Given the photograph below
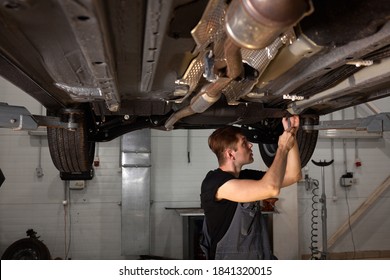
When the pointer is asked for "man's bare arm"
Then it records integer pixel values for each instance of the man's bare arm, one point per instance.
(293, 168)
(239, 190)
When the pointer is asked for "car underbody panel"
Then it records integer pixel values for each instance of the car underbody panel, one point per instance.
(172, 64)
(145, 58)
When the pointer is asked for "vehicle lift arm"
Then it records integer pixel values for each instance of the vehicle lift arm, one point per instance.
(375, 124)
(19, 118)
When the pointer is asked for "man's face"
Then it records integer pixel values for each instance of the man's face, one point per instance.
(244, 152)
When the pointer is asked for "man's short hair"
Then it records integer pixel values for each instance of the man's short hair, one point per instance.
(223, 138)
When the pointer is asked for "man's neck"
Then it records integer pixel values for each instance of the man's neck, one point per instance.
(231, 168)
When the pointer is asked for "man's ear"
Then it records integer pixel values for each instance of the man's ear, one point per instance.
(230, 154)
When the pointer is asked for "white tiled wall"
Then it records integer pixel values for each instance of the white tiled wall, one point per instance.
(27, 201)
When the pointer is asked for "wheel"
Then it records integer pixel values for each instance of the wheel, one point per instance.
(307, 141)
(27, 249)
(71, 151)
(268, 152)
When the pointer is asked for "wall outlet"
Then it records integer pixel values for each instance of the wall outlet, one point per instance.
(346, 182)
(347, 179)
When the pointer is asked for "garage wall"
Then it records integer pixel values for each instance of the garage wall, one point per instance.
(93, 214)
(372, 231)
(26, 201)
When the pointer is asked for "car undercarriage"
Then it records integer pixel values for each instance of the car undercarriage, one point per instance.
(105, 68)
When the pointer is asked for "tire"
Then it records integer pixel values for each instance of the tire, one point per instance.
(307, 141)
(70, 150)
(27, 249)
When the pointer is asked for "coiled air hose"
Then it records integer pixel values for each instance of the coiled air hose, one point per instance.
(314, 220)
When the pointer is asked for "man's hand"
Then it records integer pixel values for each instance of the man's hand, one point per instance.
(287, 139)
(290, 122)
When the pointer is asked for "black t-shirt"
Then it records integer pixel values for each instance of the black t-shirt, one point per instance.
(220, 213)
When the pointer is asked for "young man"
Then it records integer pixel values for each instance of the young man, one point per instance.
(233, 225)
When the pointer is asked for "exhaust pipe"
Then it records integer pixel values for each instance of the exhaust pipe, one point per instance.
(199, 103)
(250, 24)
